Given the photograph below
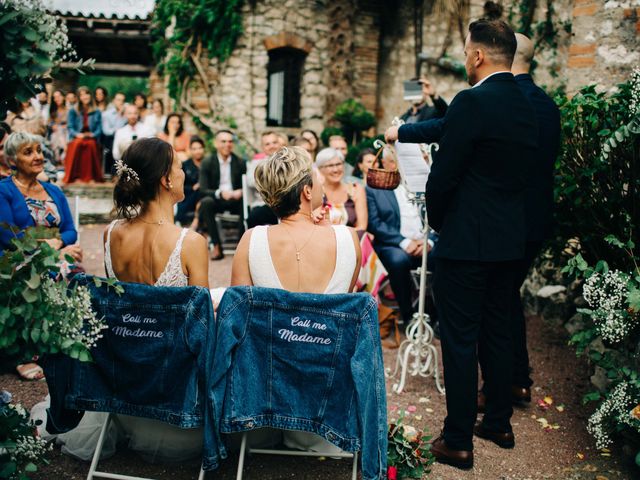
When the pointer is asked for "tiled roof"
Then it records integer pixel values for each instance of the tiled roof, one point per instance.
(104, 9)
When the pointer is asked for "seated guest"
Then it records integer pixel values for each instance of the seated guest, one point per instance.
(220, 188)
(176, 136)
(259, 213)
(156, 120)
(83, 161)
(270, 143)
(347, 201)
(304, 143)
(112, 119)
(5, 169)
(339, 143)
(142, 247)
(313, 139)
(296, 255)
(366, 159)
(140, 101)
(398, 237)
(26, 118)
(132, 131)
(58, 136)
(191, 167)
(27, 202)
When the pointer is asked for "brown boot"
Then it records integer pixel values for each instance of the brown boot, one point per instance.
(502, 439)
(216, 253)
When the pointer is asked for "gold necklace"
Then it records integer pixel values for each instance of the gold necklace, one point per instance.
(28, 187)
(298, 250)
(161, 222)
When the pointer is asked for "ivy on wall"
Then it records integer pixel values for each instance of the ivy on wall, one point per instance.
(189, 37)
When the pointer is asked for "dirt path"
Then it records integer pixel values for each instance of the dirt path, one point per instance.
(553, 453)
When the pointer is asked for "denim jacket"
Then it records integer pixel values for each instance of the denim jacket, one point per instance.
(150, 362)
(298, 361)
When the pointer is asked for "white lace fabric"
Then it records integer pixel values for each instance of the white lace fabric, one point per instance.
(171, 276)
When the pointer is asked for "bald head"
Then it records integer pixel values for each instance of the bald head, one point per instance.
(524, 55)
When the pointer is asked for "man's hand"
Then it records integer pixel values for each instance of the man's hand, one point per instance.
(196, 186)
(428, 88)
(414, 248)
(236, 194)
(73, 250)
(226, 195)
(391, 135)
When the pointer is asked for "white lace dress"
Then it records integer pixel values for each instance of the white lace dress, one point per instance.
(155, 441)
(263, 274)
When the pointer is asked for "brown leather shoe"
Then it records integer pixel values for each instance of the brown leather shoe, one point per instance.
(520, 395)
(462, 459)
(503, 440)
(216, 253)
(482, 402)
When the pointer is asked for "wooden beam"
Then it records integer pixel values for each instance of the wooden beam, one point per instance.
(129, 68)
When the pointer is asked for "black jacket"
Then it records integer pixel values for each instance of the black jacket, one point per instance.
(210, 174)
(539, 193)
(475, 191)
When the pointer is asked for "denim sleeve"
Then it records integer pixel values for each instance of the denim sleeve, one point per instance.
(225, 333)
(371, 396)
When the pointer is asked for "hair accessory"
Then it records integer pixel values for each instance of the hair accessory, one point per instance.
(124, 170)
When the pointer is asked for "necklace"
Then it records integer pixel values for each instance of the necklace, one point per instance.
(161, 222)
(28, 187)
(298, 250)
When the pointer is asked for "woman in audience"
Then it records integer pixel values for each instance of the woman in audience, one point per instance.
(27, 202)
(156, 120)
(297, 255)
(313, 139)
(59, 135)
(146, 247)
(347, 201)
(26, 118)
(366, 159)
(102, 99)
(140, 101)
(187, 208)
(83, 161)
(176, 136)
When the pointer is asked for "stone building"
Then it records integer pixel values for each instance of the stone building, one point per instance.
(298, 59)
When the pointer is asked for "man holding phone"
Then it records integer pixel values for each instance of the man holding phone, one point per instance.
(132, 131)
(422, 110)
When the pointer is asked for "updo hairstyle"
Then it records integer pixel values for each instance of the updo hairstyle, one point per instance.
(151, 159)
(281, 178)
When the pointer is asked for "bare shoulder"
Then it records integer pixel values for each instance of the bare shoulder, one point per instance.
(195, 241)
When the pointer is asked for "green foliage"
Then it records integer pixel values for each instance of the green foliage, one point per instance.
(183, 28)
(329, 132)
(127, 85)
(20, 449)
(409, 450)
(597, 196)
(38, 314)
(354, 118)
(353, 152)
(33, 43)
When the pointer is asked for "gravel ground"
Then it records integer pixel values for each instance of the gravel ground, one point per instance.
(567, 452)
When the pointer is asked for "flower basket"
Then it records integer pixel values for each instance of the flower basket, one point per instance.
(409, 453)
(380, 178)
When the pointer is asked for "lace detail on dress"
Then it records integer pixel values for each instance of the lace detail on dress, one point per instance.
(171, 276)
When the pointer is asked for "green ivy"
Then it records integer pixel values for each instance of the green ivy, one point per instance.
(182, 28)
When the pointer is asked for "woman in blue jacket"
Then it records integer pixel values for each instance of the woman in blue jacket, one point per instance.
(27, 202)
(84, 161)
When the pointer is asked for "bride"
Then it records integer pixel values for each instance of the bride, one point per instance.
(146, 247)
(297, 255)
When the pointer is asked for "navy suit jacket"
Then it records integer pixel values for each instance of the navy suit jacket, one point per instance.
(475, 192)
(539, 191)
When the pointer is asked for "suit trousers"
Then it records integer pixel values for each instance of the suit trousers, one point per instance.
(470, 297)
(209, 207)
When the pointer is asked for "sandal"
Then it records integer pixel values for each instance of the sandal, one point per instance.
(30, 371)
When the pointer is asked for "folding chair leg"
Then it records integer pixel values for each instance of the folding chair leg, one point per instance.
(354, 473)
(243, 447)
(98, 451)
(201, 476)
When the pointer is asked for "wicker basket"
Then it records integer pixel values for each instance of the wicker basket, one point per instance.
(383, 179)
(380, 178)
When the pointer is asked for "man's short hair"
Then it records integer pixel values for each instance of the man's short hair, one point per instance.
(268, 132)
(497, 37)
(223, 131)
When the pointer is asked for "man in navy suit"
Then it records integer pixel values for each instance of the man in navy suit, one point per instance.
(475, 200)
(538, 203)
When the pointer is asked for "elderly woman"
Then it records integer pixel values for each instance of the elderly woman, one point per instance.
(347, 201)
(27, 202)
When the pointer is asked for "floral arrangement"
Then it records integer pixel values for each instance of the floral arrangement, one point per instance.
(40, 312)
(33, 42)
(409, 453)
(21, 449)
(610, 338)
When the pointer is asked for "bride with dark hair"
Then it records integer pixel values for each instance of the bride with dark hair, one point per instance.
(144, 246)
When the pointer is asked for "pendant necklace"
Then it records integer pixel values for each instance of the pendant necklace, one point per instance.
(298, 250)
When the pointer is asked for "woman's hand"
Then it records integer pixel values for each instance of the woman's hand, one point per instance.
(54, 243)
(74, 251)
(321, 215)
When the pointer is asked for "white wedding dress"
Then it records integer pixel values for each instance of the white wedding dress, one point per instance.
(263, 274)
(155, 441)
